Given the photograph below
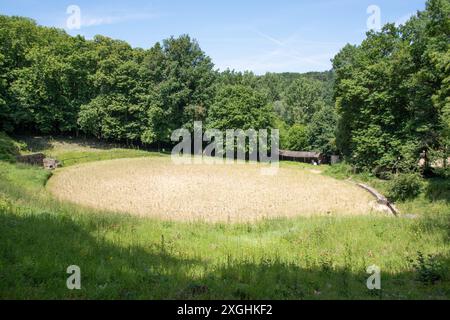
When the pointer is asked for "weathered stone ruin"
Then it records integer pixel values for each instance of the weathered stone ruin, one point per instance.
(51, 164)
(36, 159)
(39, 159)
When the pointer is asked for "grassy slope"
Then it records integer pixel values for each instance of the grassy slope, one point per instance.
(8, 148)
(127, 257)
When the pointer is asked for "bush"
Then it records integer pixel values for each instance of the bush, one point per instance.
(428, 268)
(8, 149)
(297, 139)
(438, 189)
(442, 172)
(405, 186)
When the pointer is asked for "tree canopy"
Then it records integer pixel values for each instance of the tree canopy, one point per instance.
(383, 103)
(392, 91)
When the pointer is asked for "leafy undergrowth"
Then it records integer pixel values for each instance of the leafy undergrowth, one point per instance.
(124, 257)
(8, 148)
(433, 198)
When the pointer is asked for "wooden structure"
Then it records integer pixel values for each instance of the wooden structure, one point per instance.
(302, 156)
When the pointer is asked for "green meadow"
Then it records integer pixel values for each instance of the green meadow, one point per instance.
(127, 257)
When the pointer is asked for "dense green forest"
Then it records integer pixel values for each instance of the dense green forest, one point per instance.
(384, 102)
(392, 92)
(53, 83)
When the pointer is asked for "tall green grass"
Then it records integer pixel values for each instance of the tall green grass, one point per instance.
(125, 257)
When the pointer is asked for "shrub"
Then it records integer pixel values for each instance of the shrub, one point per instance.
(438, 189)
(442, 172)
(405, 186)
(297, 139)
(428, 268)
(8, 149)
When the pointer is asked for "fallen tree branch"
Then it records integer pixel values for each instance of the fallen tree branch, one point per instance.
(380, 198)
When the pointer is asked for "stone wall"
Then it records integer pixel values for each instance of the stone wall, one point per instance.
(36, 159)
(51, 164)
(39, 159)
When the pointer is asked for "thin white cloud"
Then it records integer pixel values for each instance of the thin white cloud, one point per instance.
(399, 21)
(402, 20)
(295, 40)
(289, 54)
(91, 21)
(279, 60)
(271, 39)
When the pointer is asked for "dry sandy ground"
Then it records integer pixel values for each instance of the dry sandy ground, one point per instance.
(215, 193)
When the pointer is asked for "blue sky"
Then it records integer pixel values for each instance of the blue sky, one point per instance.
(258, 35)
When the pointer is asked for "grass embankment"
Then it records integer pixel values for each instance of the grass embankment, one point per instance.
(9, 149)
(121, 256)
